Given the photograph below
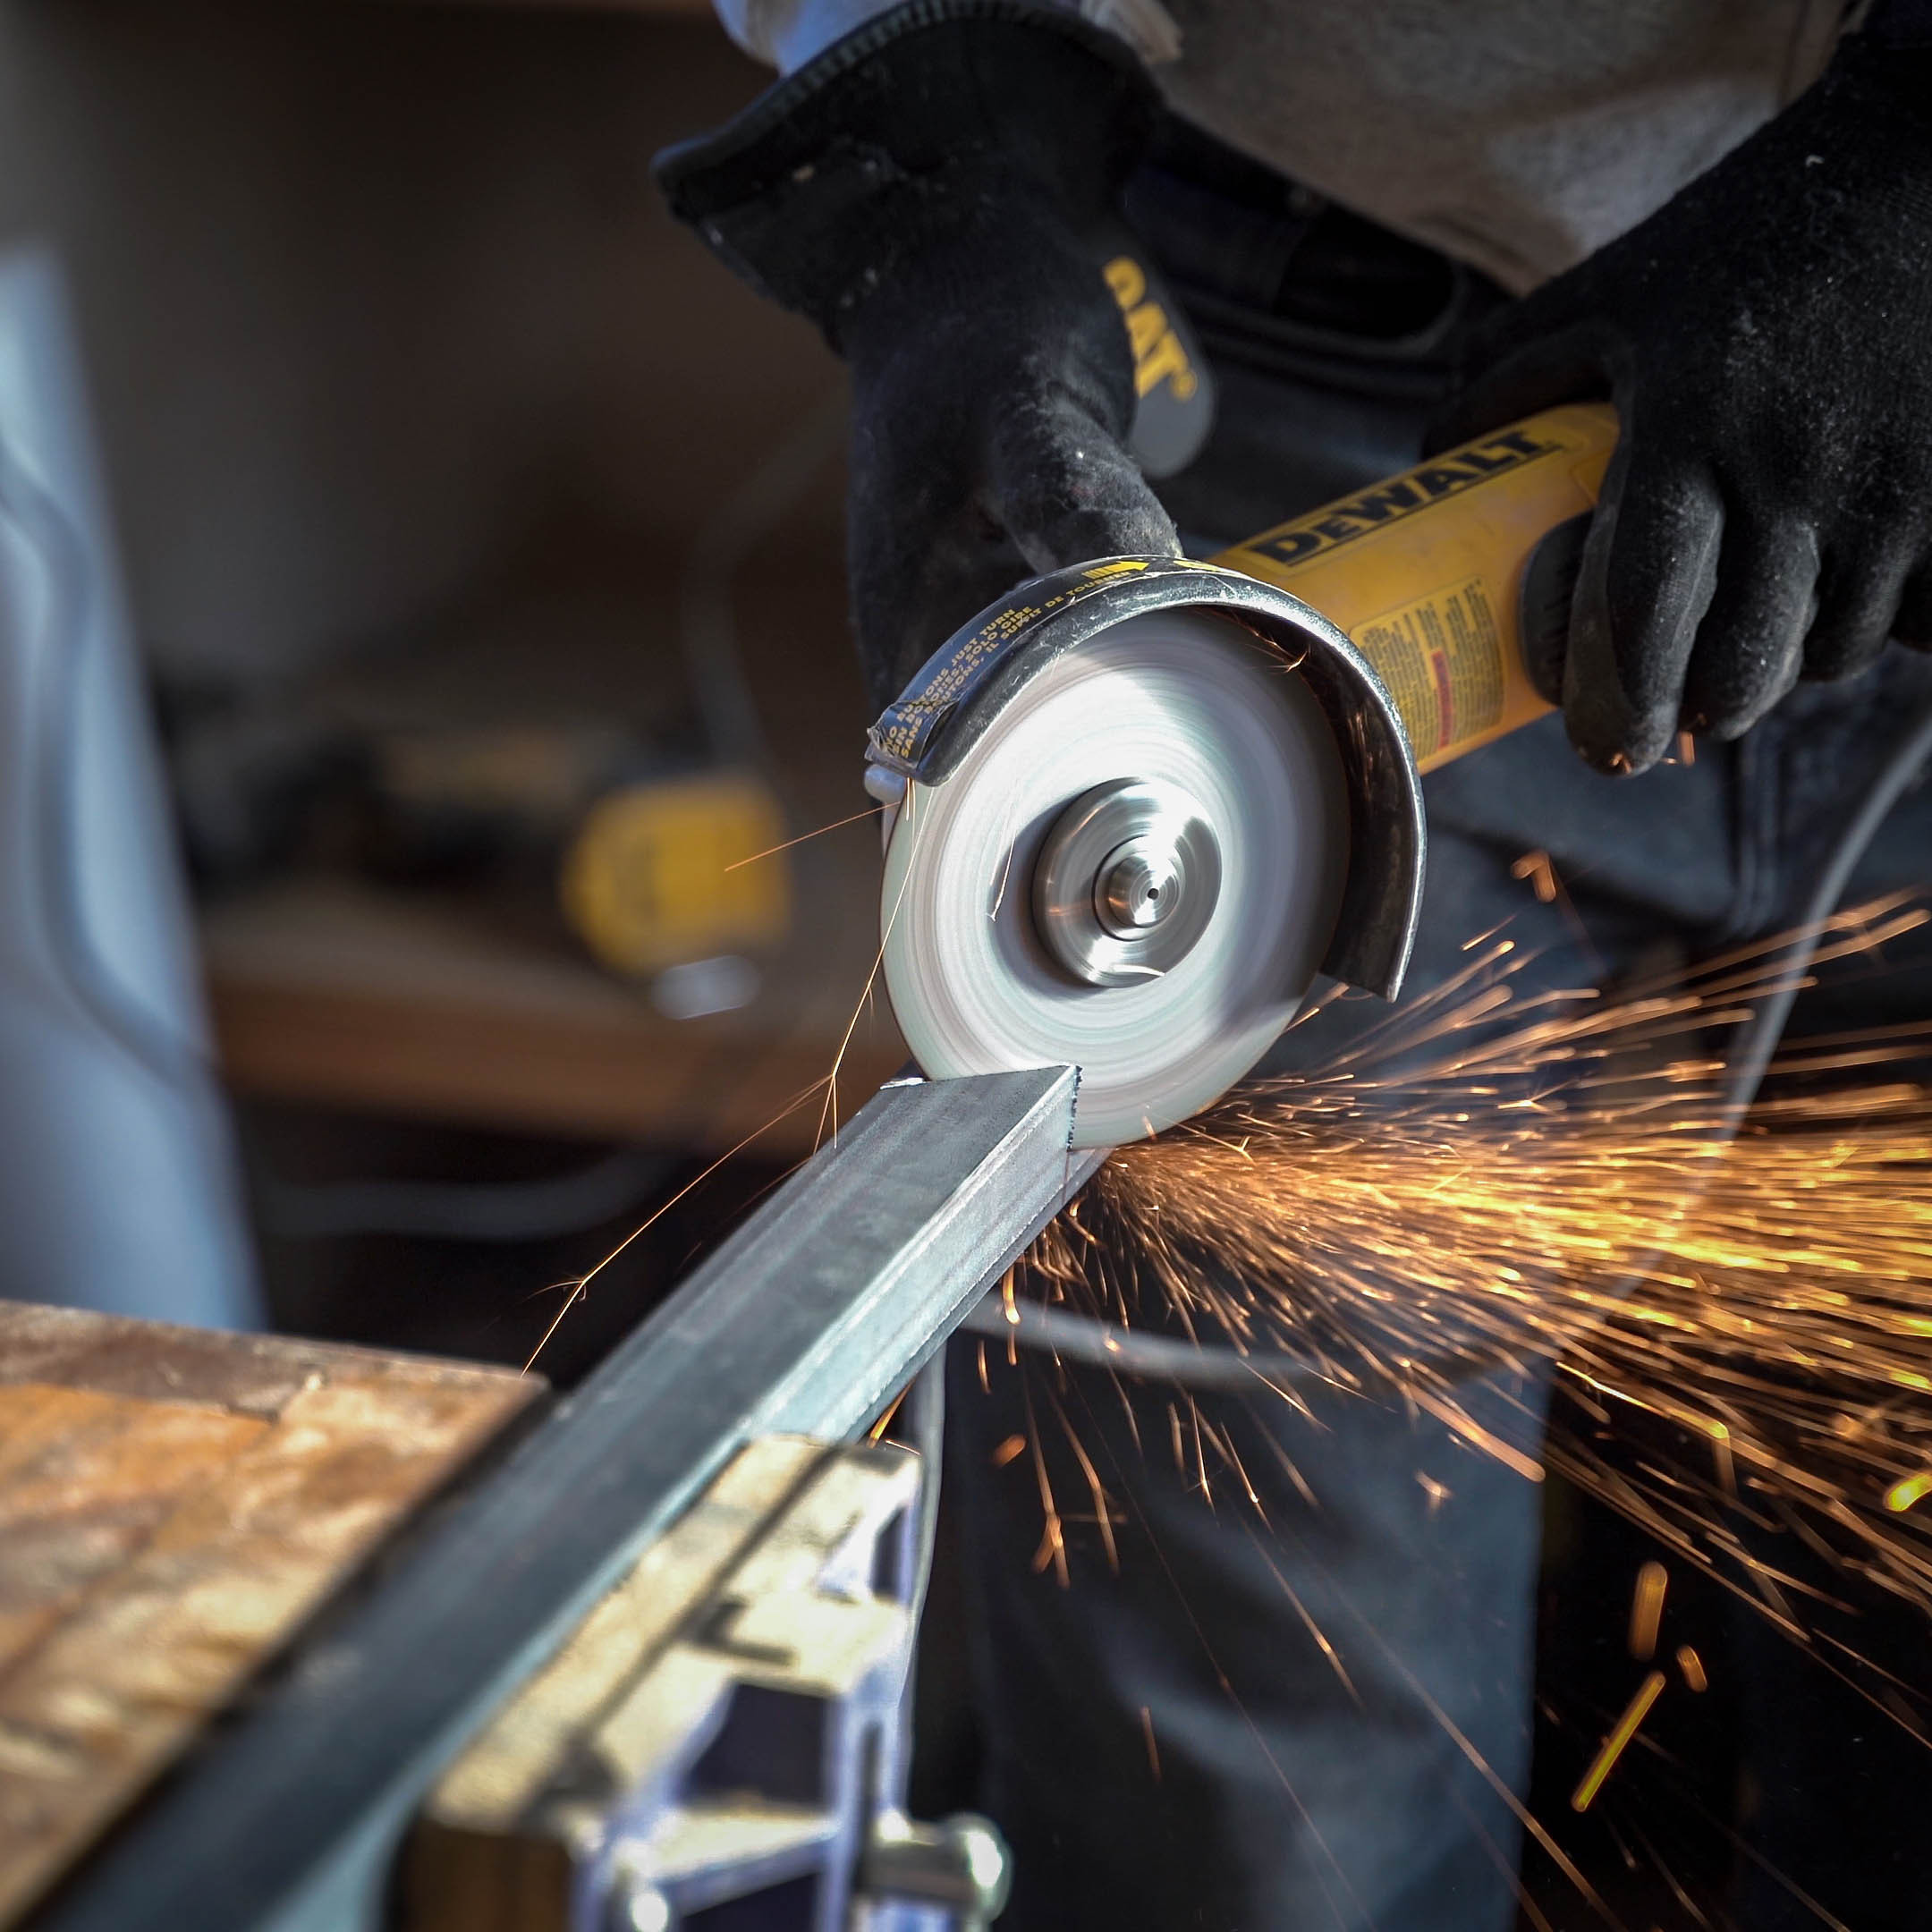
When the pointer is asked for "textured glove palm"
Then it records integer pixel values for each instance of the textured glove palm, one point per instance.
(1767, 339)
(924, 191)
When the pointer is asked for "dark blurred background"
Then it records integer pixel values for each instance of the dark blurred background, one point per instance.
(456, 491)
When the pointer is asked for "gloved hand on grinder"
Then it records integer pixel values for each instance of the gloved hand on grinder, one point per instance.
(1766, 337)
(927, 191)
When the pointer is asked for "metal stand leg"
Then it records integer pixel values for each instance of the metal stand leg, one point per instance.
(118, 1188)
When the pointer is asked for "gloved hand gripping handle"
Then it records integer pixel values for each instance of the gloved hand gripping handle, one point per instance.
(1767, 338)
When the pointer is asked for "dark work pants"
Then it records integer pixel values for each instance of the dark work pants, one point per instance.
(1168, 1746)
(1285, 1799)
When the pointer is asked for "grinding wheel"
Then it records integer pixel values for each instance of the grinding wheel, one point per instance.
(1136, 868)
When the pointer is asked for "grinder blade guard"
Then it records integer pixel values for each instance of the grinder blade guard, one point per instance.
(1133, 811)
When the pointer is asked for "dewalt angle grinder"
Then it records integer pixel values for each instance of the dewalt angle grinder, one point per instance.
(1138, 807)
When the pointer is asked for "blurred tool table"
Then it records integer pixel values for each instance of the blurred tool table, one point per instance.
(332, 992)
(344, 991)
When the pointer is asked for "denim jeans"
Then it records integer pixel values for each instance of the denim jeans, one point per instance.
(1169, 1746)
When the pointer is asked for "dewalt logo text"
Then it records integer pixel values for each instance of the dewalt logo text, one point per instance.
(1388, 503)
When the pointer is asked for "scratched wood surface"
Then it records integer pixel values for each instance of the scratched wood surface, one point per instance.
(173, 1504)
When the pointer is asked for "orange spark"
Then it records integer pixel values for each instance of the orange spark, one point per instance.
(1907, 1490)
(871, 812)
(1646, 1610)
(1535, 867)
(582, 1282)
(1556, 1182)
(1614, 1746)
(876, 1433)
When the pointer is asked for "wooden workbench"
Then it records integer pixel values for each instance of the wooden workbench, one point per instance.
(174, 1504)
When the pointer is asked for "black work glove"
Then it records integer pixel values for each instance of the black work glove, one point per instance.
(929, 190)
(1766, 337)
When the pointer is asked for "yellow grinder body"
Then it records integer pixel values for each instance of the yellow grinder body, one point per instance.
(1430, 573)
(1137, 808)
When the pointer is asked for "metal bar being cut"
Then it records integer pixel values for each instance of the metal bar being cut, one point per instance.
(806, 1320)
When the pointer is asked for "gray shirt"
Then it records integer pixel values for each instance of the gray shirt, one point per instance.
(1516, 135)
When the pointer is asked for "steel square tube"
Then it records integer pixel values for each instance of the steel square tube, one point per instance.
(806, 1319)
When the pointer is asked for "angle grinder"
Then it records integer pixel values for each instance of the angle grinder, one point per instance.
(1135, 809)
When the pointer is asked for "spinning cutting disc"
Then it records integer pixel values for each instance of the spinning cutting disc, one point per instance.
(1136, 868)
